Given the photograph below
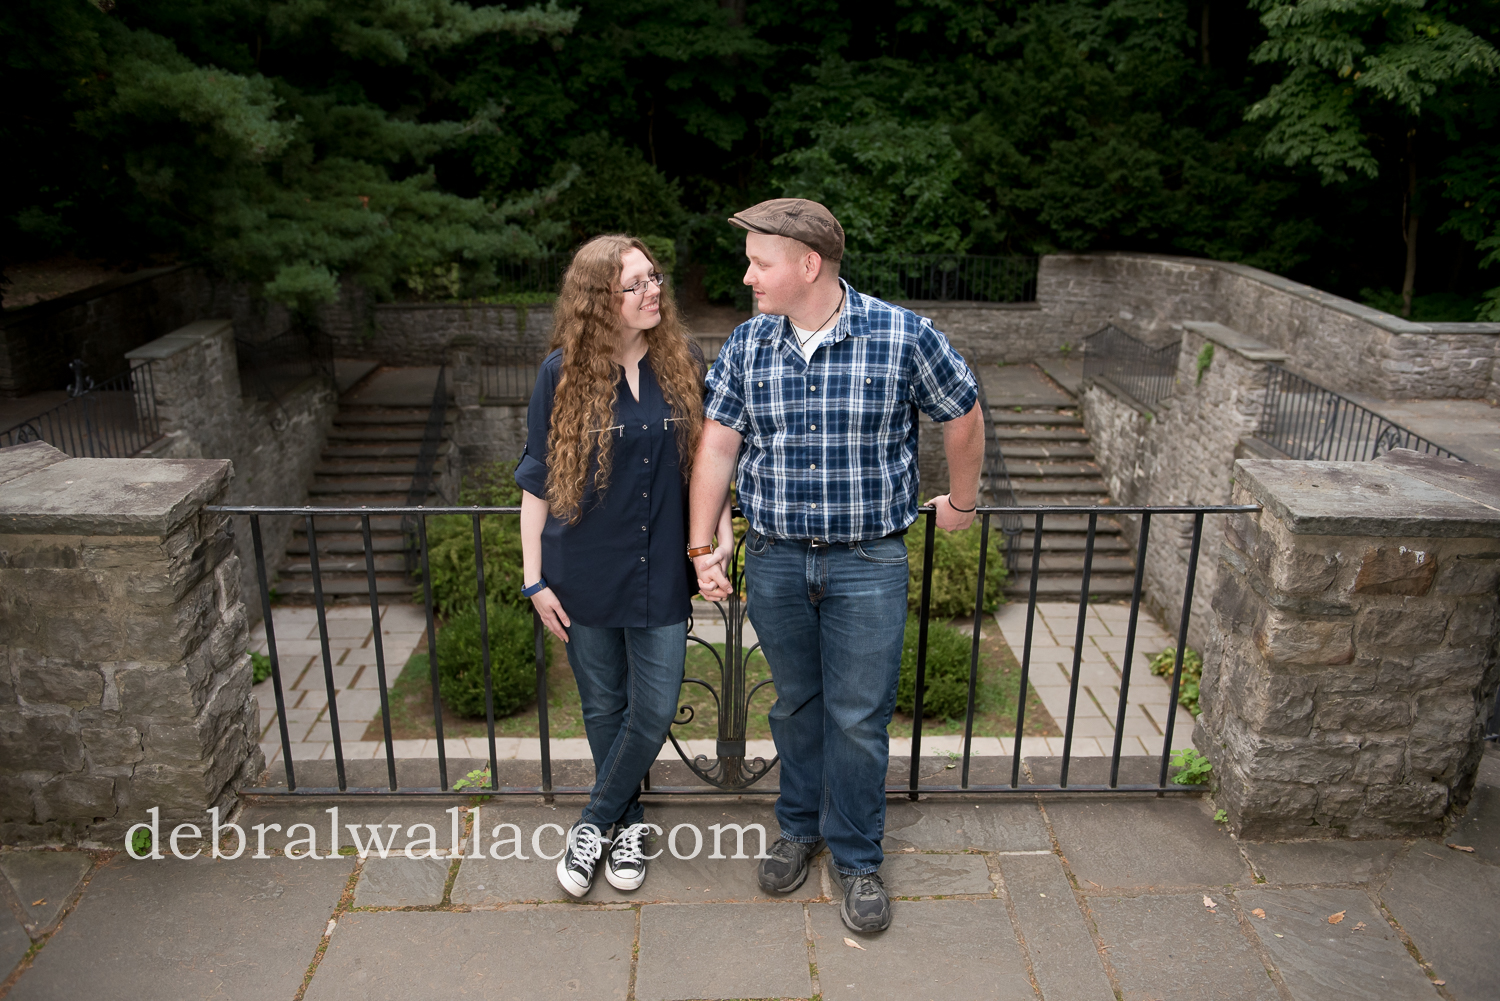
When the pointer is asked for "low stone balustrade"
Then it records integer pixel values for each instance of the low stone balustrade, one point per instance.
(124, 677)
(1352, 664)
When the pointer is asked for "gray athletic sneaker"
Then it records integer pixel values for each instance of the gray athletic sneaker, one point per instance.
(866, 906)
(785, 870)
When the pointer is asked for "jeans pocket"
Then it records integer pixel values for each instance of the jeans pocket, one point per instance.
(889, 550)
(756, 544)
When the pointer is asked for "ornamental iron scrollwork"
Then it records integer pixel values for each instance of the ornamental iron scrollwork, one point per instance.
(730, 769)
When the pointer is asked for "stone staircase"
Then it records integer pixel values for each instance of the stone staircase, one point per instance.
(1050, 461)
(370, 459)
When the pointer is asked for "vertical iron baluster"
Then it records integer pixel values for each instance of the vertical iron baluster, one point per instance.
(333, 707)
(484, 638)
(1182, 631)
(265, 606)
(928, 532)
(432, 655)
(1036, 562)
(984, 546)
(385, 698)
(1135, 610)
(540, 638)
(1083, 615)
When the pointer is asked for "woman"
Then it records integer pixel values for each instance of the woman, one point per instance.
(614, 422)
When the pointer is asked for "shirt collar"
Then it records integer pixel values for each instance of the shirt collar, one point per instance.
(853, 320)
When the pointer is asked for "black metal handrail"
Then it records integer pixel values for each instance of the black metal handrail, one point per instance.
(995, 488)
(732, 771)
(1146, 373)
(943, 277)
(507, 374)
(1306, 421)
(113, 419)
(421, 478)
(274, 367)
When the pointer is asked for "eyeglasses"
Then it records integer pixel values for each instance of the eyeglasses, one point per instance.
(640, 288)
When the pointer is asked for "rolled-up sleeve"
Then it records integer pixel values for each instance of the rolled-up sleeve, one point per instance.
(725, 401)
(531, 471)
(941, 384)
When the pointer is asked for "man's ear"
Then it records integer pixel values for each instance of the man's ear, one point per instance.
(812, 266)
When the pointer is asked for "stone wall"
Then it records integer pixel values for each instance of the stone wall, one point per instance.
(124, 681)
(1353, 660)
(274, 446)
(1183, 454)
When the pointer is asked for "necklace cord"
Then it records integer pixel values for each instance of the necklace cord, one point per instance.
(843, 294)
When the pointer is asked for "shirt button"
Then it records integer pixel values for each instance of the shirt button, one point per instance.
(814, 389)
(760, 385)
(645, 495)
(813, 466)
(643, 427)
(643, 528)
(813, 426)
(645, 460)
(643, 559)
(867, 382)
(815, 506)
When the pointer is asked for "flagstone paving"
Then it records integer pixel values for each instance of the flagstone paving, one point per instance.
(1035, 897)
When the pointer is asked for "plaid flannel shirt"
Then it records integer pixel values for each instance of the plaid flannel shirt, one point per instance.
(830, 449)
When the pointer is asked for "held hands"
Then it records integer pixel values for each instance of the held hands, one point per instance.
(949, 519)
(713, 580)
(551, 611)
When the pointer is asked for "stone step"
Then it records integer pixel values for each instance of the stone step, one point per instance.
(387, 415)
(381, 449)
(402, 466)
(1046, 470)
(359, 500)
(1072, 562)
(329, 563)
(339, 585)
(1032, 417)
(335, 485)
(1067, 585)
(343, 543)
(1072, 497)
(1074, 542)
(378, 433)
(1038, 451)
(1067, 525)
(1023, 435)
(350, 524)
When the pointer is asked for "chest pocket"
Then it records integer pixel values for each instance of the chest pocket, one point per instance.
(879, 404)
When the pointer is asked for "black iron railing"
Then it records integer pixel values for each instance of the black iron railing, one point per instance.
(942, 277)
(1146, 373)
(113, 419)
(732, 769)
(995, 488)
(507, 373)
(1306, 421)
(421, 478)
(534, 274)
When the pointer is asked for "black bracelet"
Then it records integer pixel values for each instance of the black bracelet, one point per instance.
(964, 510)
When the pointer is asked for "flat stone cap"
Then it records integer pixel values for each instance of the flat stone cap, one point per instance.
(1244, 344)
(181, 339)
(1402, 493)
(47, 495)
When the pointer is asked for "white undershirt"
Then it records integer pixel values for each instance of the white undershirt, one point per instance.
(807, 340)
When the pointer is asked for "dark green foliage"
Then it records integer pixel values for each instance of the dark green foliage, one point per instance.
(450, 544)
(1164, 663)
(946, 693)
(955, 571)
(260, 667)
(512, 661)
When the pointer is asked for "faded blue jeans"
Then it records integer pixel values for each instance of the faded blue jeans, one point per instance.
(628, 681)
(831, 620)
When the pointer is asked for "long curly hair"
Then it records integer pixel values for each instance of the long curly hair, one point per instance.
(586, 328)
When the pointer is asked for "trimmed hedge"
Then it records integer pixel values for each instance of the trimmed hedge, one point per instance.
(512, 661)
(947, 692)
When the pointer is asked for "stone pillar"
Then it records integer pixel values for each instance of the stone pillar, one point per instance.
(1352, 663)
(196, 380)
(463, 370)
(124, 677)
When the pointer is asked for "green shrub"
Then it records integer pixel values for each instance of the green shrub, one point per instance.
(450, 545)
(955, 570)
(512, 661)
(1192, 675)
(260, 667)
(947, 692)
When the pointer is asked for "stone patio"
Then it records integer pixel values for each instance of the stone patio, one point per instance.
(1053, 898)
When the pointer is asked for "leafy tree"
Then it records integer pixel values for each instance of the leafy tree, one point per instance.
(1359, 71)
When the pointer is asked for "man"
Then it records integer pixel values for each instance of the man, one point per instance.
(811, 402)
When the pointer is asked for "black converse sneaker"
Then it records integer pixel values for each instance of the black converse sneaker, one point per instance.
(786, 867)
(625, 868)
(867, 905)
(575, 870)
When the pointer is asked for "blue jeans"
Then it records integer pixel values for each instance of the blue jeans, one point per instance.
(628, 681)
(831, 620)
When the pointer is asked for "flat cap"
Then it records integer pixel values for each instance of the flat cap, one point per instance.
(797, 218)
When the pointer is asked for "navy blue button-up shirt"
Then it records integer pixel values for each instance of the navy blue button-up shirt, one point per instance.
(830, 444)
(625, 562)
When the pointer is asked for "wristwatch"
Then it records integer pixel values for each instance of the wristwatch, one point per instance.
(696, 551)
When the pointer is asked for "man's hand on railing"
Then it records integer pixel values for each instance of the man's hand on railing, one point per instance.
(949, 518)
